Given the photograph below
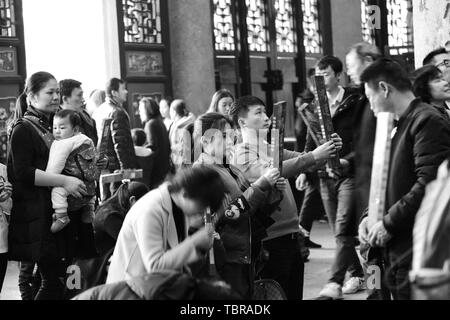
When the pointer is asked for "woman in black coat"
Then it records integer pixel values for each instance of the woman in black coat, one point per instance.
(157, 139)
(30, 238)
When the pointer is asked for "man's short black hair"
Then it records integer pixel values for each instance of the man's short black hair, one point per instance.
(240, 107)
(389, 71)
(73, 116)
(67, 86)
(113, 84)
(429, 58)
(201, 183)
(333, 62)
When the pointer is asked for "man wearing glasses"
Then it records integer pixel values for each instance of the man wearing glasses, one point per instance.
(441, 59)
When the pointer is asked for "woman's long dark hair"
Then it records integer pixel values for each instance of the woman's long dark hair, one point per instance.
(151, 108)
(219, 95)
(421, 82)
(35, 83)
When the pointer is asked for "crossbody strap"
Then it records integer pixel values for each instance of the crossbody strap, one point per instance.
(45, 136)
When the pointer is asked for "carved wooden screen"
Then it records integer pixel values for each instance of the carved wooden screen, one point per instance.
(393, 30)
(224, 26)
(285, 27)
(250, 35)
(257, 25)
(12, 64)
(400, 26)
(400, 32)
(142, 21)
(311, 27)
(144, 50)
(367, 25)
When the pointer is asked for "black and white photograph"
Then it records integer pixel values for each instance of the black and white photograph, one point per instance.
(225, 155)
(8, 63)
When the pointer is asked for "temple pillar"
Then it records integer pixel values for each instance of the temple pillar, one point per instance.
(431, 26)
(192, 52)
(345, 25)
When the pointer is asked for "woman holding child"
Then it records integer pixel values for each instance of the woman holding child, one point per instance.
(30, 237)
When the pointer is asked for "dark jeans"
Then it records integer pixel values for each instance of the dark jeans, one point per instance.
(52, 285)
(311, 207)
(337, 196)
(29, 281)
(285, 265)
(3, 266)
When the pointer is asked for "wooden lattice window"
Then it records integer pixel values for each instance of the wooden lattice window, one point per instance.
(367, 25)
(311, 27)
(285, 27)
(7, 19)
(400, 26)
(224, 37)
(258, 37)
(142, 21)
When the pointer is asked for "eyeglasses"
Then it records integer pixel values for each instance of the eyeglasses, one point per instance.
(445, 63)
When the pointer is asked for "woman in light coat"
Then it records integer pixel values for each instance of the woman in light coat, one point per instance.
(154, 233)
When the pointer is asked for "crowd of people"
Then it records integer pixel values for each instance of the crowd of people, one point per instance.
(209, 194)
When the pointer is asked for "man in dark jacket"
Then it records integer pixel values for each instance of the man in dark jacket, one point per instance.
(119, 143)
(337, 192)
(420, 143)
(72, 98)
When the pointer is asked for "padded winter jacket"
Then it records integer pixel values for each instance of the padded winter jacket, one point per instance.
(120, 149)
(420, 145)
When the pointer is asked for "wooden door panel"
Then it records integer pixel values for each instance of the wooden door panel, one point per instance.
(227, 70)
(287, 66)
(138, 91)
(226, 67)
(258, 65)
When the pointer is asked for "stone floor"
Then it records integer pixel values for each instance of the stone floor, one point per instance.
(317, 270)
